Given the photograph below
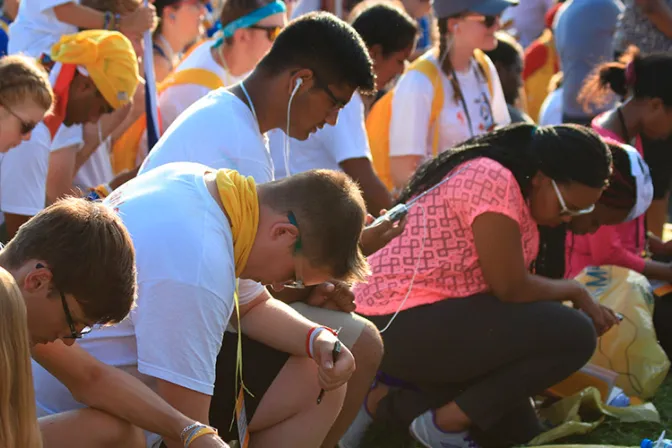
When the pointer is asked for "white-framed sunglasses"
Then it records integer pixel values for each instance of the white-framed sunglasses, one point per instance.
(564, 211)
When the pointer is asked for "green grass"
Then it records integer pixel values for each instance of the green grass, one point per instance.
(611, 432)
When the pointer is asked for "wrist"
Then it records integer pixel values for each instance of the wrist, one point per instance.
(313, 335)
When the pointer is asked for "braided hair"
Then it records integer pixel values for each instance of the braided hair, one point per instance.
(565, 153)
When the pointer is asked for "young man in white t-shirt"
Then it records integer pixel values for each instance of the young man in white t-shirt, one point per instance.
(187, 235)
(345, 146)
(97, 85)
(67, 287)
(316, 64)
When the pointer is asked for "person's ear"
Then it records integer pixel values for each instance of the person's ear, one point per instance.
(285, 233)
(376, 53)
(300, 80)
(38, 279)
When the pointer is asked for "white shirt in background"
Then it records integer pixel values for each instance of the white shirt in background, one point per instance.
(220, 131)
(529, 19)
(186, 281)
(304, 7)
(328, 147)
(176, 99)
(551, 109)
(36, 28)
(97, 169)
(410, 133)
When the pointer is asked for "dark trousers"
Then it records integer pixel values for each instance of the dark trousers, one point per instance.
(488, 356)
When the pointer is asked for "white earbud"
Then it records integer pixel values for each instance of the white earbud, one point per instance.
(297, 84)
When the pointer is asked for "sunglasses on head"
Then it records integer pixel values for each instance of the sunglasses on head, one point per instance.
(272, 32)
(26, 126)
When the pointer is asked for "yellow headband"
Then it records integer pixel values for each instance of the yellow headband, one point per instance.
(109, 59)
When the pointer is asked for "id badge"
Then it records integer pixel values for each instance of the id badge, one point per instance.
(241, 420)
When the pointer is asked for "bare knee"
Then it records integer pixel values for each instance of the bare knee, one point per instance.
(368, 349)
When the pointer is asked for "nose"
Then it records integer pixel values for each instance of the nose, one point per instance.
(68, 341)
(332, 118)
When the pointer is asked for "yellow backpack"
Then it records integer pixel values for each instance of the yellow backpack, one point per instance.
(125, 148)
(378, 120)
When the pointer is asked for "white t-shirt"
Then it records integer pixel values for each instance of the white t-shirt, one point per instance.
(551, 109)
(410, 133)
(98, 167)
(176, 99)
(186, 281)
(220, 131)
(36, 28)
(23, 174)
(326, 148)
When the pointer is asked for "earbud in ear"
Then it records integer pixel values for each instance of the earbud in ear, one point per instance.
(297, 84)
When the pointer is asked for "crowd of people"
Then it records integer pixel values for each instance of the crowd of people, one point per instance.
(241, 278)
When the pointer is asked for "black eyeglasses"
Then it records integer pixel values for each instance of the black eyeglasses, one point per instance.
(338, 103)
(298, 277)
(272, 32)
(26, 126)
(74, 334)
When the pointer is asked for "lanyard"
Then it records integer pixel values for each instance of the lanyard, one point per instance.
(464, 103)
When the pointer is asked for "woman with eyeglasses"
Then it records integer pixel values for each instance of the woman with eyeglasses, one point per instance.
(181, 23)
(25, 98)
(470, 332)
(471, 101)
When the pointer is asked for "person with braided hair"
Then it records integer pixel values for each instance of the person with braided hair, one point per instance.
(470, 331)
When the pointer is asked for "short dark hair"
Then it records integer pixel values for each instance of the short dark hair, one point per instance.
(330, 214)
(89, 252)
(507, 52)
(385, 24)
(328, 46)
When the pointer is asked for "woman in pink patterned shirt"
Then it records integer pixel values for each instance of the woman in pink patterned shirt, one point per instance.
(477, 333)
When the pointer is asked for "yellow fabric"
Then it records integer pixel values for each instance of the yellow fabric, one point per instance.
(239, 197)
(125, 148)
(109, 59)
(379, 118)
(536, 85)
(574, 415)
(241, 203)
(630, 349)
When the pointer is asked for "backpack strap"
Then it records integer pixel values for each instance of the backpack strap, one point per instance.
(482, 60)
(431, 71)
(199, 76)
(125, 149)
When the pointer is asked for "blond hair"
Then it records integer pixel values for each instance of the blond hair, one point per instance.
(18, 419)
(24, 79)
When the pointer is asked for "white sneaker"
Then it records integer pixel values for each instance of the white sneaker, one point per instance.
(424, 430)
(355, 433)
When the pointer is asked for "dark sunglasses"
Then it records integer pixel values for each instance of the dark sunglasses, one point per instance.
(272, 32)
(487, 21)
(26, 126)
